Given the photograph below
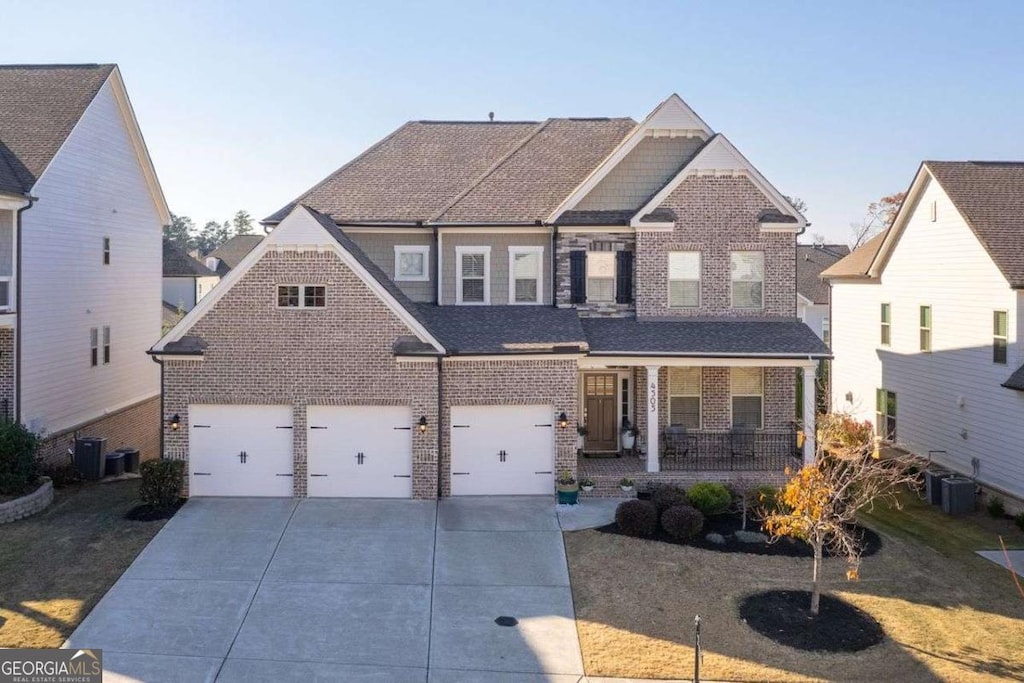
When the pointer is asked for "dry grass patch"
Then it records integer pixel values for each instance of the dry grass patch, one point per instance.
(55, 566)
(947, 613)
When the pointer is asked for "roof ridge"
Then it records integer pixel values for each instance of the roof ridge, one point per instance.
(494, 167)
(431, 122)
(82, 65)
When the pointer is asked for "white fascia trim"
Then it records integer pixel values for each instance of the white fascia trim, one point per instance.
(512, 357)
(638, 360)
(176, 357)
(625, 229)
(801, 299)
(413, 249)
(512, 251)
(641, 131)
(654, 227)
(512, 229)
(780, 202)
(246, 264)
(350, 229)
(13, 203)
(467, 249)
(780, 227)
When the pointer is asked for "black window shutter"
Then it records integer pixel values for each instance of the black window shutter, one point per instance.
(624, 277)
(577, 277)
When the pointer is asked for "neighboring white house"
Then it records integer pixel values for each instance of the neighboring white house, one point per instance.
(81, 216)
(186, 280)
(812, 293)
(926, 322)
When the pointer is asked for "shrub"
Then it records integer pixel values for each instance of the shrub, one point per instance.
(764, 497)
(18, 468)
(665, 496)
(637, 517)
(161, 482)
(996, 508)
(62, 475)
(682, 522)
(709, 498)
(1019, 521)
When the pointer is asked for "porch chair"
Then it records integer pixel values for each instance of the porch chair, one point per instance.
(741, 440)
(675, 442)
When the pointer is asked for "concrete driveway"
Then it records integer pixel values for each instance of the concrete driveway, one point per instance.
(354, 590)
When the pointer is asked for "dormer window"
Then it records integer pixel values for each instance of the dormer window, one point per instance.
(301, 296)
(474, 268)
(524, 278)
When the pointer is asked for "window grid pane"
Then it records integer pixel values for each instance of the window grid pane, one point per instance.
(473, 265)
(473, 289)
(685, 411)
(684, 293)
(747, 381)
(747, 268)
(526, 271)
(411, 264)
(314, 296)
(288, 296)
(746, 411)
(886, 325)
(600, 289)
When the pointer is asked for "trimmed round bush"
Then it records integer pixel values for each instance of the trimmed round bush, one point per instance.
(682, 522)
(709, 498)
(18, 468)
(665, 496)
(161, 483)
(637, 518)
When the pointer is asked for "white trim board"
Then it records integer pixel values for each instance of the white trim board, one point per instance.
(305, 227)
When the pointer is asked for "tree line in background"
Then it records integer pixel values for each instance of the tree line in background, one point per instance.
(183, 233)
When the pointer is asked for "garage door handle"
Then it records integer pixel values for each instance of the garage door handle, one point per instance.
(318, 475)
(315, 427)
(200, 474)
(286, 427)
(284, 475)
(457, 473)
(460, 426)
(402, 476)
(542, 425)
(548, 472)
(200, 426)
(404, 428)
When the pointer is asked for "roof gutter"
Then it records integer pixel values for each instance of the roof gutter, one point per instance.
(702, 354)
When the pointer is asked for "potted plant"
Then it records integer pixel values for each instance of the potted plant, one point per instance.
(626, 484)
(568, 489)
(587, 485)
(581, 431)
(628, 435)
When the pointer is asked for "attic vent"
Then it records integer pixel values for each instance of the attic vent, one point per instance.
(490, 115)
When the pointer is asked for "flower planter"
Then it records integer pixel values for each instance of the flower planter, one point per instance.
(627, 489)
(568, 496)
(628, 441)
(587, 489)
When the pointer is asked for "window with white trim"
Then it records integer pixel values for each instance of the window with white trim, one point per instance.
(301, 296)
(684, 279)
(524, 275)
(684, 397)
(885, 322)
(885, 414)
(106, 345)
(926, 328)
(747, 392)
(601, 276)
(94, 347)
(412, 263)
(826, 331)
(999, 337)
(747, 268)
(474, 268)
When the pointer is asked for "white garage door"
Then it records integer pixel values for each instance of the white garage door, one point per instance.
(240, 450)
(502, 450)
(360, 451)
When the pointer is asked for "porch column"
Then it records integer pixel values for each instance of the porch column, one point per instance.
(810, 404)
(653, 465)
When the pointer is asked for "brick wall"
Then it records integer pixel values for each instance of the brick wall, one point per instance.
(512, 382)
(337, 355)
(715, 215)
(598, 241)
(7, 372)
(137, 426)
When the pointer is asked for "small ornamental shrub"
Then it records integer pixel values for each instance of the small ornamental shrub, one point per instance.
(665, 496)
(996, 508)
(62, 475)
(637, 518)
(709, 498)
(764, 497)
(161, 482)
(682, 522)
(18, 467)
(1019, 521)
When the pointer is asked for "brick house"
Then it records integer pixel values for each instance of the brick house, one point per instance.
(440, 314)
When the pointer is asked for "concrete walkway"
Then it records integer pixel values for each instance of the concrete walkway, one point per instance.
(354, 590)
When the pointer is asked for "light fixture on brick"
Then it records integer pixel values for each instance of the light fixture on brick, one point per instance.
(563, 420)
(422, 424)
(175, 422)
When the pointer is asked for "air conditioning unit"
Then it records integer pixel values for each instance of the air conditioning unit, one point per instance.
(933, 485)
(957, 495)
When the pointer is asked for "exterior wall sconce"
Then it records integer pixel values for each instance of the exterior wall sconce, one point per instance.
(175, 422)
(563, 420)
(422, 424)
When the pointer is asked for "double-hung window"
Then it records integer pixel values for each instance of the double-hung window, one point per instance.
(94, 347)
(524, 275)
(473, 265)
(301, 296)
(885, 414)
(999, 327)
(412, 262)
(747, 268)
(601, 276)
(684, 279)
(926, 328)
(885, 325)
(684, 397)
(106, 345)
(747, 392)
(106, 251)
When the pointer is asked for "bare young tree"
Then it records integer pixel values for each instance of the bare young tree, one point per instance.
(820, 504)
(879, 217)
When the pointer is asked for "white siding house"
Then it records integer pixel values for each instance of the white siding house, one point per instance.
(939, 362)
(88, 295)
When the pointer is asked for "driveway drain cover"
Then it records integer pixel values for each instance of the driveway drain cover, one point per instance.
(506, 621)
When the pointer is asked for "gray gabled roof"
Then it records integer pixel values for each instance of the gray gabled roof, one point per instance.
(505, 329)
(1016, 380)
(39, 106)
(781, 337)
(231, 253)
(179, 264)
(811, 260)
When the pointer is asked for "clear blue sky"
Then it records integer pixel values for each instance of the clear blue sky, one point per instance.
(245, 105)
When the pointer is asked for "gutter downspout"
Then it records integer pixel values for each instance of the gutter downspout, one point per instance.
(17, 312)
(161, 364)
(554, 266)
(440, 421)
(437, 268)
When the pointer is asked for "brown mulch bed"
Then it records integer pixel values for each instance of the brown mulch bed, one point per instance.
(785, 617)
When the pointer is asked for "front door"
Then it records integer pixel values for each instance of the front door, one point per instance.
(599, 404)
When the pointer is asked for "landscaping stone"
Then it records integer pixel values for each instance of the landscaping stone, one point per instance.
(27, 505)
(717, 539)
(750, 537)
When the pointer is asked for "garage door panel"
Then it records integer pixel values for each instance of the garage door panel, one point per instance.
(360, 451)
(502, 450)
(240, 450)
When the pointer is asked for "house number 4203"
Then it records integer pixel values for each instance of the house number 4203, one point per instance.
(652, 396)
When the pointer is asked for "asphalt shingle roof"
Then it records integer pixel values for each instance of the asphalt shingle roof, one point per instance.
(39, 106)
(234, 250)
(504, 329)
(811, 260)
(859, 260)
(1016, 380)
(990, 195)
(179, 264)
(702, 337)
